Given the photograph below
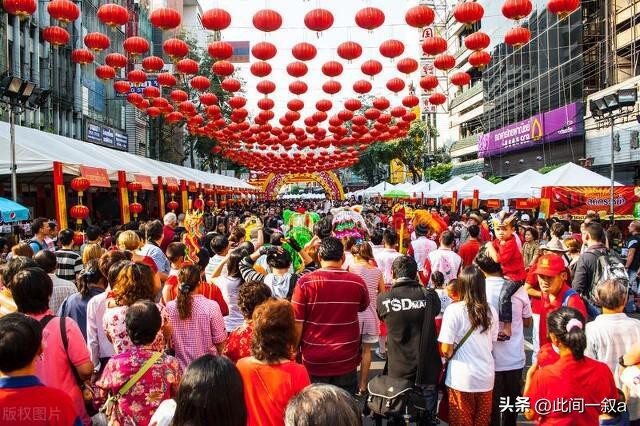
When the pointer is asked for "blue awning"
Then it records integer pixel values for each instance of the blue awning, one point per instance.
(11, 211)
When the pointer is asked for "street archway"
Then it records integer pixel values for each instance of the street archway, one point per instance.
(327, 180)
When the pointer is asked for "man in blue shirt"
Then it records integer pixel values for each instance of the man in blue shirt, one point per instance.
(39, 230)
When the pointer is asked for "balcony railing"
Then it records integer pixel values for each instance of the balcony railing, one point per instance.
(465, 142)
(467, 94)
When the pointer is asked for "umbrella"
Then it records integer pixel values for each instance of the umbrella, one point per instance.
(11, 211)
(396, 193)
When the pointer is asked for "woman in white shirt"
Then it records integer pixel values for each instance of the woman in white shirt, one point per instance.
(471, 371)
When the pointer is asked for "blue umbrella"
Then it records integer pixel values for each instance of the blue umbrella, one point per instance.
(11, 211)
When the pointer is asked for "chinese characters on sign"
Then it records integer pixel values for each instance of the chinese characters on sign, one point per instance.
(545, 407)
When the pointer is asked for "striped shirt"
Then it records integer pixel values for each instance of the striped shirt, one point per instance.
(327, 302)
(69, 264)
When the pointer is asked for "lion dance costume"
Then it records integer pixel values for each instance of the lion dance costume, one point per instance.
(348, 222)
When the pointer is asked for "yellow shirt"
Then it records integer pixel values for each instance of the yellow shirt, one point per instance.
(7, 305)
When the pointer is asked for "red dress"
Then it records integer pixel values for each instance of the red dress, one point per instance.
(239, 342)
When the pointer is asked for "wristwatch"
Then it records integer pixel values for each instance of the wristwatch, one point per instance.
(621, 362)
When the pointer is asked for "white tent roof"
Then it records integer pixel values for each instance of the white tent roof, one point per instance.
(407, 186)
(572, 174)
(37, 150)
(466, 189)
(378, 189)
(431, 189)
(452, 184)
(523, 185)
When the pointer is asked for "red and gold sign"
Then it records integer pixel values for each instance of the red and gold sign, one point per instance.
(577, 200)
(145, 181)
(96, 176)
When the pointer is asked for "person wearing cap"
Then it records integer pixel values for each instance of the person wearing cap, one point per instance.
(553, 277)
(420, 248)
(475, 219)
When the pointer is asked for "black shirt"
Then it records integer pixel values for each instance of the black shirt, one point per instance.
(411, 354)
(634, 242)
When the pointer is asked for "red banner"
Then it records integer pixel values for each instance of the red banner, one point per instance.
(493, 204)
(577, 200)
(97, 176)
(145, 181)
(192, 186)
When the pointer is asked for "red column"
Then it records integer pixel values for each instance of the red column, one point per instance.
(546, 209)
(161, 196)
(123, 196)
(476, 199)
(59, 195)
(184, 195)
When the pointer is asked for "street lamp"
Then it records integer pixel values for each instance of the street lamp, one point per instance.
(19, 95)
(603, 109)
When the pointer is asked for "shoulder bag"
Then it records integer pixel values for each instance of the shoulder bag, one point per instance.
(443, 408)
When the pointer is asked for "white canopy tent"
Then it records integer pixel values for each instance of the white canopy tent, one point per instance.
(378, 189)
(452, 184)
(475, 183)
(37, 150)
(523, 185)
(431, 189)
(572, 174)
(406, 186)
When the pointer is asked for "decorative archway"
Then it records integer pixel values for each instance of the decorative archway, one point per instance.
(328, 180)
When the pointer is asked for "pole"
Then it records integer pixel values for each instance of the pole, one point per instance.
(612, 171)
(12, 148)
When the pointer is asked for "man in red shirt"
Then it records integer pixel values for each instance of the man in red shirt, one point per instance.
(326, 303)
(470, 249)
(552, 277)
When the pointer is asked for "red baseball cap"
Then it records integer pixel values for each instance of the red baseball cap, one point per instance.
(550, 265)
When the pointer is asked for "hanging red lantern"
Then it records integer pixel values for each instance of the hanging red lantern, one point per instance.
(122, 86)
(208, 99)
(395, 84)
(166, 79)
(437, 99)
(187, 66)
(135, 209)
(304, 51)
(97, 41)
(175, 48)
(479, 59)
(410, 101)
(444, 62)
(260, 69)
(220, 50)
(200, 83)
(516, 9)
(295, 104)
(468, 13)
(381, 103)
(174, 117)
(223, 68)
(324, 105)
(79, 212)
(298, 87)
(267, 20)
(134, 98)
(165, 18)
(434, 45)
(349, 50)
(216, 19)
(78, 239)
(152, 64)
(137, 76)
(563, 8)
(398, 111)
(136, 46)
(332, 68)
(369, 18)
(173, 205)
(362, 87)
(331, 87)
(297, 69)
(80, 184)
(318, 20)
(105, 72)
(265, 104)
(460, 79)
(64, 11)
(371, 67)
(391, 48)
(265, 87)
(264, 50)
(230, 85)
(407, 65)
(82, 56)
(517, 37)
(477, 41)
(20, 8)
(116, 60)
(56, 36)
(420, 16)
(113, 15)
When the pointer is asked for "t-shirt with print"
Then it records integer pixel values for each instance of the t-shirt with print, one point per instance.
(444, 260)
(472, 368)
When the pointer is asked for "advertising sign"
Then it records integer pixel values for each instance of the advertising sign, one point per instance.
(106, 136)
(552, 126)
(145, 181)
(138, 88)
(96, 176)
(577, 200)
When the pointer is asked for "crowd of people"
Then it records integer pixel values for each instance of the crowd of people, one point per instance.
(134, 328)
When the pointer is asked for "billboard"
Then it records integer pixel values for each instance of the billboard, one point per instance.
(558, 124)
(240, 52)
(106, 136)
(577, 200)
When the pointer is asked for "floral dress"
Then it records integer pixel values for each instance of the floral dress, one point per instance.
(116, 328)
(239, 342)
(138, 405)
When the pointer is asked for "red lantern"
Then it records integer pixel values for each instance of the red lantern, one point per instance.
(230, 85)
(304, 51)
(135, 209)
(135, 98)
(381, 103)
(324, 105)
(298, 87)
(434, 45)
(78, 239)
(173, 205)
(477, 41)
(20, 8)
(80, 184)
(220, 50)
(105, 72)
(444, 62)
(468, 13)
(134, 186)
(223, 68)
(318, 20)
(166, 79)
(295, 104)
(349, 50)
(407, 65)
(174, 117)
(79, 212)
(437, 99)
(267, 20)
(517, 37)
(208, 99)
(82, 56)
(172, 188)
(331, 87)
(122, 86)
(175, 48)
(516, 9)
(265, 87)
(153, 111)
(395, 85)
(410, 101)
(200, 83)
(187, 66)
(352, 104)
(563, 8)
(152, 63)
(332, 68)
(136, 46)
(297, 69)
(260, 69)
(97, 41)
(113, 15)
(460, 79)
(264, 50)
(369, 18)
(165, 18)
(116, 60)
(216, 19)
(420, 16)
(362, 87)
(137, 76)
(479, 59)
(56, 36)
(64, 11)
(391, 48)
(265, 104)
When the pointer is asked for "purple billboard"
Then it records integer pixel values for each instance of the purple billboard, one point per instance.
(552, 126)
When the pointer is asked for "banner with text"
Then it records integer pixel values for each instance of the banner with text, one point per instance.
(577, 200)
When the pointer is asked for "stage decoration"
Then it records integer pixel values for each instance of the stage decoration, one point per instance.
(298, 226)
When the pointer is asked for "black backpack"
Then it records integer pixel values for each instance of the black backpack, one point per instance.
(609, 266)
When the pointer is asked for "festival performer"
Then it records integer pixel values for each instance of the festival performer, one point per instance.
(424, 223)
(348, 222)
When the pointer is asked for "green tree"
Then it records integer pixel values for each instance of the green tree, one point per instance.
(440, 172)
(494, 179)
(372, 161)
(546, 169)
(411, 149)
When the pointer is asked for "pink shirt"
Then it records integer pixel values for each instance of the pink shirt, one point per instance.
(384, 259)
(53, 367)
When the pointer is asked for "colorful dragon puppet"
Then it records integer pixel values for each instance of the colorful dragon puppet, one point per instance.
(348, 222)
(432, 221)
(298, 226)
(193, 223)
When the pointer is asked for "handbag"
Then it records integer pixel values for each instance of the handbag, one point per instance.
(394, 397)
(443, 408)
(112, 401)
